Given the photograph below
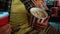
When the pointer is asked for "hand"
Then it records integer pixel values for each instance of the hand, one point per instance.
(6, 29)
(41, 25)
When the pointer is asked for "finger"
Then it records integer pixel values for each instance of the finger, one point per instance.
(7, 31)
(42, 20)
(38, 27)
(9, 27)
(46, 20)
(39, 21)
(3, 28)
(45, 23)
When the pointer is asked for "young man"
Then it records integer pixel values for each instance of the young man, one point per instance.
(40, 4)
(20, 23)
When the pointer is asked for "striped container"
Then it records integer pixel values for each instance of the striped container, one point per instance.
(35, 19)
(3, 18)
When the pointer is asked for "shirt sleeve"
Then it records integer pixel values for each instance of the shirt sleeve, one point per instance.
(28, 4)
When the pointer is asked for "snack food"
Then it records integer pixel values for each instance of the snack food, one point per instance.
(39, 13)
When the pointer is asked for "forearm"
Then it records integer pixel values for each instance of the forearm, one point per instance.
(45, 6)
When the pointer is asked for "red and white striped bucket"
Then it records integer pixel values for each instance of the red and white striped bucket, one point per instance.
(35, 18)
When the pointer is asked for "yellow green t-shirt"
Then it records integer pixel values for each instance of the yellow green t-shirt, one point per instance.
(18, 17)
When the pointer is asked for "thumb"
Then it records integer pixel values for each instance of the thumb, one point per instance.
(47, 19)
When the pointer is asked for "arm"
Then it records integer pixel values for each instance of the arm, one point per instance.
(45, 6)
(6, 29)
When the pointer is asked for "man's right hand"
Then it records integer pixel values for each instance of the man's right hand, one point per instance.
(6, 29)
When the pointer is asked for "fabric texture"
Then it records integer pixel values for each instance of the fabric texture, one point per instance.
(18, 17)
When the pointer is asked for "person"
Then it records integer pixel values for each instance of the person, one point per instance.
(20, 23)
(6, 29)
(40, 4)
